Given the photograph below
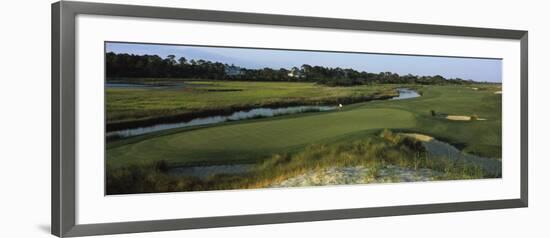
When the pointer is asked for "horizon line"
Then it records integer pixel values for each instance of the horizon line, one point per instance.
(421, 69)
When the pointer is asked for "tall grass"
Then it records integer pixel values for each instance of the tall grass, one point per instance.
(146, 106)
(374, 152)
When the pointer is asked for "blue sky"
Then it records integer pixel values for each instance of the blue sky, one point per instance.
(489, 70)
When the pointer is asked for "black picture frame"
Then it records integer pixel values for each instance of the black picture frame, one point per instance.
(64, 121)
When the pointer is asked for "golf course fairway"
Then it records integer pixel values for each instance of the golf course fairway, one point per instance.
(256, 139)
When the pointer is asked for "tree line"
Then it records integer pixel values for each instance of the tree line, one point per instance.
(153, 66)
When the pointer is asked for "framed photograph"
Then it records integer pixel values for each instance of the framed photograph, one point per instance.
(167, 119)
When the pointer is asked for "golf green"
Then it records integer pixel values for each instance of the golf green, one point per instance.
(256, 139)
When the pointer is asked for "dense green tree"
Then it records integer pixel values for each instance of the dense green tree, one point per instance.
(153, 66)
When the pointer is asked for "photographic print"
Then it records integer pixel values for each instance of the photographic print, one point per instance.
(182, 118)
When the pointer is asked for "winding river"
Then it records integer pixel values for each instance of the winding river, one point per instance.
(236, 116)
(404, 93)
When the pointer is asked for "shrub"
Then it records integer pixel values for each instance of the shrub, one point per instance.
(161, 166)
(389, 136)
(412, 144)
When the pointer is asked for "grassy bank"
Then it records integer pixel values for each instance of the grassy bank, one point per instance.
(141, 106)
(375, 152)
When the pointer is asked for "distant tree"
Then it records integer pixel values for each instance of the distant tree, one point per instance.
(171, 59)
(182, 61)
(153, 66)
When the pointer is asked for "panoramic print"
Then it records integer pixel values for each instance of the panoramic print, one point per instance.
(183, 118)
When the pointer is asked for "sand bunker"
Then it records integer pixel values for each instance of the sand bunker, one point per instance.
(498, 92)
(463, 118)
(420, 137)
(459, 118)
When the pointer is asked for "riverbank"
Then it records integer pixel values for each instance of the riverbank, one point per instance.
(255, 113)
(129, 107)
(188, 116)
(384, 157)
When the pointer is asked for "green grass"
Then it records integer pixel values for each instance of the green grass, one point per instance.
(256, 139)
(126, 104)
(250, 141)
(476, 137)
(266, 141)
(375, 152)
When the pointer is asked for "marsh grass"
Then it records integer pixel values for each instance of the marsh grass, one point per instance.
(135, 107)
